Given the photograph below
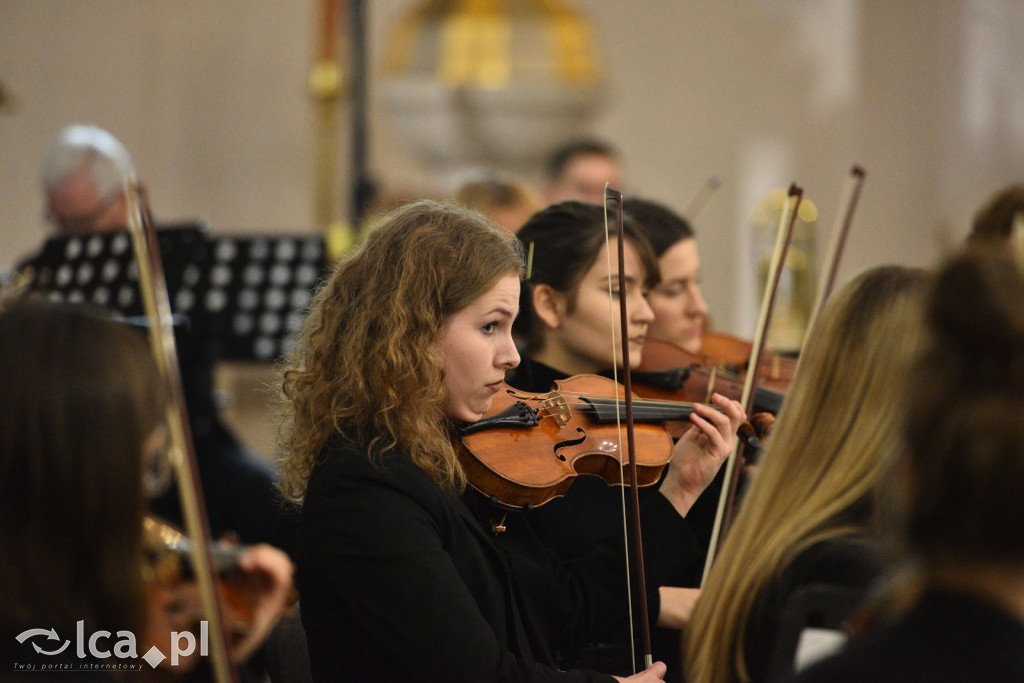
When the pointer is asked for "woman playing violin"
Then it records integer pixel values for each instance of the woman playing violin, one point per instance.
(678, 339)
(806, 516)
(680, 312)
(400, 577)
(567, 320)
(81, 446)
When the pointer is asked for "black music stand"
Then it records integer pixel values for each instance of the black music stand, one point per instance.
(100, 268)
(242, 296)
(256, 290)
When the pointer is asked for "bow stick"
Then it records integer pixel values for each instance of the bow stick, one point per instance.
(787, 220)
(701, 198)
(837, 240)
(616, 196)
(153, 289)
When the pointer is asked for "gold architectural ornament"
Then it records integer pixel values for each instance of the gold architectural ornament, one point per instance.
(509, 78)
(327, 86)
(470, 43)
(326, 81)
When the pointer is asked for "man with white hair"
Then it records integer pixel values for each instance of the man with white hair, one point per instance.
(83, 181)
(83, 177)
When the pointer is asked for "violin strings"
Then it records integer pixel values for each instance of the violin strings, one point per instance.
(586, 400)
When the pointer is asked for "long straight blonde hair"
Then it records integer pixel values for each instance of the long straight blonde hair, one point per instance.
(834, 439)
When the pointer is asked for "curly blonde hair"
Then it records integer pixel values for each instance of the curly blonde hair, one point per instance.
(364, 369)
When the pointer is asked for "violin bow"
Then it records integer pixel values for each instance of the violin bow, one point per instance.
(787, 219)
(153, 288)
(837, 240)
(700, 200)
(638, 550)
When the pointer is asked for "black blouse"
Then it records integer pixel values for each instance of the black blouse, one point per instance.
(401, 581)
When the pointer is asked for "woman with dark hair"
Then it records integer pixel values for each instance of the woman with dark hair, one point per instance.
(567, 320)
(82, 417)
(401, 574)
(680, 312)
(82, 445)
(961, 512)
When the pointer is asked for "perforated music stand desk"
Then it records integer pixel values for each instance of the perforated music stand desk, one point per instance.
(244, 296)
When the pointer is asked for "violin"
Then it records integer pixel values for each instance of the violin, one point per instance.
(733, 353)
(530, 447)
(669, 372)
(169, 563)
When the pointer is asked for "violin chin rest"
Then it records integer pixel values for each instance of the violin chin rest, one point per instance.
(516, 415)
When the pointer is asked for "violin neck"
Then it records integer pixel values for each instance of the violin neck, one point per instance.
(604, 409)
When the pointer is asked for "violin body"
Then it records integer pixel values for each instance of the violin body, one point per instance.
(734, 353)
(671, 373)
(170, 566)
(530, 447)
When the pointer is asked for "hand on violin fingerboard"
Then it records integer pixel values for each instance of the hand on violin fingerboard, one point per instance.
(700, 452)
(252, 599)
(267, 581)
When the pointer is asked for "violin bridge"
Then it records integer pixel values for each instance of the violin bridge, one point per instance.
(558, 408)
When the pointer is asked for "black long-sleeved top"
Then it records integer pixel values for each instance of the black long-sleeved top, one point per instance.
(946, 637)
(853, 562)
(400, 580)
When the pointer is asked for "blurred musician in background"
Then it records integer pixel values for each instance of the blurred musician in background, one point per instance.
(83, 181)
(83, 184)
(506, 201)
(83, 447)
(578, 171)
(680, 312)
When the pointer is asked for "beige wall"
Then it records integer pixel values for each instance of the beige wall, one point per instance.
(210, 97)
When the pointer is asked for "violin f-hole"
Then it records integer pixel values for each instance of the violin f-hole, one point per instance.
(569, 442)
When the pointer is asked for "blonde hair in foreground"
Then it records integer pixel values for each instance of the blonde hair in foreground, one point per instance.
(364, 368)
(835, 437)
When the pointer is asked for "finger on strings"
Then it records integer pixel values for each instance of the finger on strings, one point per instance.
(721, 421)
(732, 409)
(709, 430)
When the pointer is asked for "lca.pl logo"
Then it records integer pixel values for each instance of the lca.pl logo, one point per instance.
(101, 645)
